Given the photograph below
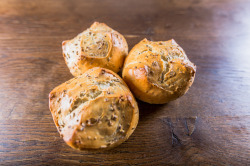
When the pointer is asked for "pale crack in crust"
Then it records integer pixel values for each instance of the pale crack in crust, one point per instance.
(95, 44)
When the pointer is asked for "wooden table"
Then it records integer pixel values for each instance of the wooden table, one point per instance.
(210, 125)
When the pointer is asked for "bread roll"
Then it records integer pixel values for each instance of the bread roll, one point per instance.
(158, 72)
(94, 110)
(98, 46)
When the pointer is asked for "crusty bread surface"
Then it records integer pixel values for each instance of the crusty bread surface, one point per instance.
(158, 72)
(94, 110)
(98, 46)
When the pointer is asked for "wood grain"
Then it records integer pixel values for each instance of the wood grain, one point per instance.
(210, 125)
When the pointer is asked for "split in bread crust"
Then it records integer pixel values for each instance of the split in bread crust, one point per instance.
(158, 72)
(94, 110)
(98, 46)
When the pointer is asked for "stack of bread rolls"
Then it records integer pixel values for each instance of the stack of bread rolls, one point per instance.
(96, 108)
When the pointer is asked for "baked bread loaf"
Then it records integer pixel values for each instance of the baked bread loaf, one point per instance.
(158, 72)
(94, 110)
(98, 46)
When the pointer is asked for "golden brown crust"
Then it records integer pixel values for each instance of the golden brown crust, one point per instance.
(98, 46)
(158, 72)
(94, 110)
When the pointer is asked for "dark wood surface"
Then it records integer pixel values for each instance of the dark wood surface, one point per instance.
(210, 125)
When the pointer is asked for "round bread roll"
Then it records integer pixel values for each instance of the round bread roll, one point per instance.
(94, 110)
(98, 46)
(158, 72)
